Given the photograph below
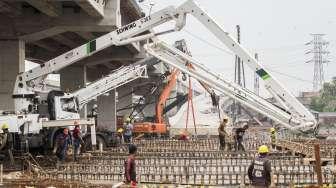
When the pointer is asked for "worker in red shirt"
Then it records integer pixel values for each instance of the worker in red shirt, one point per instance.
(77, 140)
(184, 135)
(130, 166)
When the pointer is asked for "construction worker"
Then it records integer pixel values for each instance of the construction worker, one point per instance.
(5, 127)
(9, 146)
(230, 140)
(94, 110)
(10, 141)
(273, 137)
(184, 135)
(128, 131)
(259, 172)
(63, 142)
(130, 166)
(77, 140)
(120, 132)
(94, 113)
(239, 134)
(222, 133)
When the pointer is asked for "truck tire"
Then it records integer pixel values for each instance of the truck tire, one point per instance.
(88, 145)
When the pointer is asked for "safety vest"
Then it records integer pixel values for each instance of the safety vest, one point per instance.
(258, 173)
(273, 138)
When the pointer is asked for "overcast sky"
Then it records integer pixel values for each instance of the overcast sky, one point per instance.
(276, 29)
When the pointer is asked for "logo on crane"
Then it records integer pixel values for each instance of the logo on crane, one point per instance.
(126, 28)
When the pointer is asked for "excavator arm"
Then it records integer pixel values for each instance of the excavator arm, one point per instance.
(165, 95)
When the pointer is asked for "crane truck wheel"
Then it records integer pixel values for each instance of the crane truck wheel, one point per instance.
(88, 145)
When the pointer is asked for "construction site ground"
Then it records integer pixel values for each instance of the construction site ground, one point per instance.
(197, 162)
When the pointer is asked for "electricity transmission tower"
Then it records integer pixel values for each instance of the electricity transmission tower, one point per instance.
(318, 47)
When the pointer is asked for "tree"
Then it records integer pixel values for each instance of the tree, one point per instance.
(326, 101)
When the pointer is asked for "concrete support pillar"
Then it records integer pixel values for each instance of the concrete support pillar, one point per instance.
(112, 8)
(12, 61)
(73, 78)
(107, 115)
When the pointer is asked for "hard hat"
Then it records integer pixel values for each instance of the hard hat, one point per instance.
(263, 149)
(225, 121)
(4, 126)
(128, 119)
(120, 130)
(272, 129)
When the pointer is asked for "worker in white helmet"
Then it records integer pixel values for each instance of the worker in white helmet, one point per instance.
(128, 131)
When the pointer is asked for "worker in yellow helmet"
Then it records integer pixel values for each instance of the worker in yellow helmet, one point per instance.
(9, 140)
(273, 137)
(5, 127)
(120, 133)
(259, 171)
(120, 130)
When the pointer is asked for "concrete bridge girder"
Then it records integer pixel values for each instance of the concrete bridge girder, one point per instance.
(35, 20)
(40, 30)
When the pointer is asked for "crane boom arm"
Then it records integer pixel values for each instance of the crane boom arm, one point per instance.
(29, 83)
(177, 59)
(67, 106)
(115, 79)
(271, 84)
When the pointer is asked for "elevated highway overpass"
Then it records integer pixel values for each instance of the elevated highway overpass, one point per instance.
(39, 30)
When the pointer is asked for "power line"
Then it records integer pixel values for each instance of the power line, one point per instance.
(284, 47)
(228, 52)
(290, 76)
(210, 44)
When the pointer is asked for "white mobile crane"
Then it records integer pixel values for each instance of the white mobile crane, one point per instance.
(61, 109)
(28, 87)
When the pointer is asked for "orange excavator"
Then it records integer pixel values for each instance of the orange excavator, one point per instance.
(159, 126)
